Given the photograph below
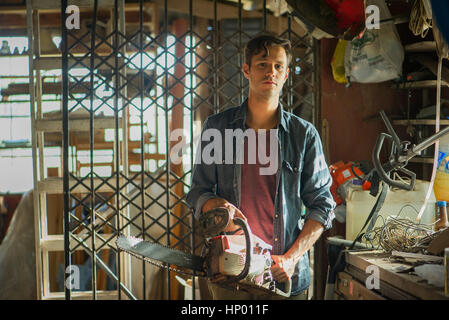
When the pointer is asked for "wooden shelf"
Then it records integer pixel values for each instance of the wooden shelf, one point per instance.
(82, 124)
(52, 6)
(406, 283)
(10, 55)
(55, 62)
(422, 46)
(426, 122)
(83, 295)
(419, 84)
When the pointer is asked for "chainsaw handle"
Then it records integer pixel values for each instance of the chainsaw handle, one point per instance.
(383, 170)
(288, 289)
(249, 245)
(214, 221)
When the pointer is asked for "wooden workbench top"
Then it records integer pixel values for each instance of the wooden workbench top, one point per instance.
(407, 282)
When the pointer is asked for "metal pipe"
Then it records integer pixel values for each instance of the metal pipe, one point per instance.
(117, 137)
(91, 151)
(65, 145)
(167, 128)
(347, 243)
(142, 141)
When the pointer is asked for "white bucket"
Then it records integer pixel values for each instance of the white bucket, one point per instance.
(359, 204)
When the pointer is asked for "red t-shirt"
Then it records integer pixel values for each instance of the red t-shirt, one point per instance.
(258, 193)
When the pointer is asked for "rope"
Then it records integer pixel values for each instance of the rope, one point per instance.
(419, 23)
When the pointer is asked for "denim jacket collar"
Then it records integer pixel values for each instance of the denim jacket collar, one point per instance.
(242, 111)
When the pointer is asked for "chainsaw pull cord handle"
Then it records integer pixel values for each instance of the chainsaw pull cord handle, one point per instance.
(249, 245)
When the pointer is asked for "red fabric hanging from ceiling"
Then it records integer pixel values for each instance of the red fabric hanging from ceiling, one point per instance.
(350, 14)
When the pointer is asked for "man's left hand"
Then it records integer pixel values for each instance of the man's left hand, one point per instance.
(282, 268)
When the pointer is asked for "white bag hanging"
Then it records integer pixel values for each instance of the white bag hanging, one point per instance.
(378, 55)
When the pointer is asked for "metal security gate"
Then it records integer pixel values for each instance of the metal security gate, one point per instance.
(133, 74)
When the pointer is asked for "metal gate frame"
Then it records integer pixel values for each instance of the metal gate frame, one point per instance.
(96, 207)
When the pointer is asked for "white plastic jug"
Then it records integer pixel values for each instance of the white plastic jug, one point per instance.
(359, 204)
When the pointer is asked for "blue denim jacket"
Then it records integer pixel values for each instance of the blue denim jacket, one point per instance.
(303, 177)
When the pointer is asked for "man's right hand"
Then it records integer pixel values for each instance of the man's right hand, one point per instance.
(234, 212)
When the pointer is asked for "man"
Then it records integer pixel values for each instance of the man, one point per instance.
(270, 203)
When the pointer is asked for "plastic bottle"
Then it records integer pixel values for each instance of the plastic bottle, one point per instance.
(441, 184)
(441, 216)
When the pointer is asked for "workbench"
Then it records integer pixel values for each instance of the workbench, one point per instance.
(393, 285)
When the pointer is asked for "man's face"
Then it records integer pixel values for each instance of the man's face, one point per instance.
(268, 71)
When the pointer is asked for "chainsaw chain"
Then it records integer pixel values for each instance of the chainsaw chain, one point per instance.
(163, 265)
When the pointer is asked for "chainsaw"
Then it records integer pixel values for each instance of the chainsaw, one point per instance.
(245, 259)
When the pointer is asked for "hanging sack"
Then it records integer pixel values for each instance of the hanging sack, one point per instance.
(378, 55)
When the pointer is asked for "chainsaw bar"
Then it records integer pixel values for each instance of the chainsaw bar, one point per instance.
(154, 252)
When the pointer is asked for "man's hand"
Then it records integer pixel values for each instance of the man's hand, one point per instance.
(282, 268)
(234, 212)
(284, 265)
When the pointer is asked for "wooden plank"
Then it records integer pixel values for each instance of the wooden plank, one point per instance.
(205, 9)
(430, 63)
(419, 84)
(409, 283)
(83, 295)
(429, 122)
(422, 46)
(55, 225)
(386, 289)
(352, 289)
(440, 242)
(55, 62)
(417, 257)
(135, 157)
(51, 5)
(47, 88)
(55, 125)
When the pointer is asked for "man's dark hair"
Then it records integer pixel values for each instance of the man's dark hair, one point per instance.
(262, 42)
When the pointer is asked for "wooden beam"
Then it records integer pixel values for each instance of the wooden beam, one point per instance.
(51, 5)
(55, 125)
(205, 9)
(83, 295)
(55, 62)
(13, 21)
(439, 243)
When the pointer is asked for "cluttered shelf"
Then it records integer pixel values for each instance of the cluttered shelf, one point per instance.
(399, 258)
(426, 122)
(418, 84)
